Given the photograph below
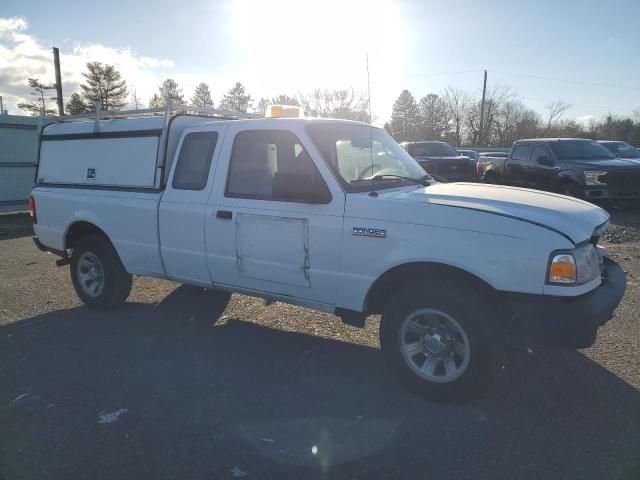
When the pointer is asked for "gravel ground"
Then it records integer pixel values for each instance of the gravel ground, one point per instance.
(170, 387)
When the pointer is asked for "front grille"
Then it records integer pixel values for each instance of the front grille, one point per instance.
(623, 181)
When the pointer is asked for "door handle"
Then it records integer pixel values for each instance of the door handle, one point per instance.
(224, 214)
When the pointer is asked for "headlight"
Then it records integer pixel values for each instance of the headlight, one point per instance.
(574, 267)
(591, 177)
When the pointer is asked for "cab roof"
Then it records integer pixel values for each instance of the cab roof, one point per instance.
(540, 140)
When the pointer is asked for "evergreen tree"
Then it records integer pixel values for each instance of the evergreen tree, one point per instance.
(405, 117)
(38, 90)
(76, 106)
(236, 99)
(202, 96)
(155, 101)
(104, 86)
(434, 117)
(169, 91)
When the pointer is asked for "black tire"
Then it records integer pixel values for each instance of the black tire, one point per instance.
(492, 178)
(473, 315)
(116, 282)
(570, 189)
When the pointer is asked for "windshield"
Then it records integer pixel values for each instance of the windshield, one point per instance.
(360, 155)
(432, 150)
(580, 150)
(622, 149)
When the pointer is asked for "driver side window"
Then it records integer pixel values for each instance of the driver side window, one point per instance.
(273, 165)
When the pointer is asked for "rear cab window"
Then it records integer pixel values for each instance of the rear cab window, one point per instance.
(194, 161)
(521, 153)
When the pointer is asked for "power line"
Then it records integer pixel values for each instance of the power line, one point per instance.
(439, 73)
(580, 104)
(576, 82)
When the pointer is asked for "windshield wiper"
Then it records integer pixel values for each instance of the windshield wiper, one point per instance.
(420, 181)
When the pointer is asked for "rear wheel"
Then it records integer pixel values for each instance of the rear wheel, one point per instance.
(97, 273)
(439, 342)
(491, 177)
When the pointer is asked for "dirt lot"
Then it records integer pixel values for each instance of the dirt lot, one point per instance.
(281, 392)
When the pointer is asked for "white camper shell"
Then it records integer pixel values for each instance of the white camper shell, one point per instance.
(122, 148)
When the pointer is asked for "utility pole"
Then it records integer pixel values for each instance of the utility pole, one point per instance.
(135, 99)
(369, 91)
(1, 106)
(56, 64)
(484, 92)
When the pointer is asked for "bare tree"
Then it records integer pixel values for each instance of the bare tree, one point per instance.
(343, 103)
(457, 102)
(495, 101)
(555, 110)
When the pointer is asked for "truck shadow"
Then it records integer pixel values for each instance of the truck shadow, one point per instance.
(203, 397)
(15, 226)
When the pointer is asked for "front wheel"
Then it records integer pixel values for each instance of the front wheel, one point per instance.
(570, 189)
(97, 273)
(439, 342)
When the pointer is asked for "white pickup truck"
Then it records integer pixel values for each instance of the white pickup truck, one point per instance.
(331, 215)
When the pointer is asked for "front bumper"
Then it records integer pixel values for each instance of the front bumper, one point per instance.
(601, 193)
(570, 321)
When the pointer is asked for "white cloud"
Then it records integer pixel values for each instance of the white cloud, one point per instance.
(22, 55)
(272, 55)
(585, 120)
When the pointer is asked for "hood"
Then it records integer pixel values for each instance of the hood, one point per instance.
(612, 163)
(568, 216)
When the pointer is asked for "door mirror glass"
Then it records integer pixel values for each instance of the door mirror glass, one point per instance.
(545, 160)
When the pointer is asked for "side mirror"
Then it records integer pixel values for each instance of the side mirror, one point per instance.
(545, 160)
(300, 187)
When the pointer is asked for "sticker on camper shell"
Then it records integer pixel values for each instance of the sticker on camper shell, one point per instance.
(91, 173)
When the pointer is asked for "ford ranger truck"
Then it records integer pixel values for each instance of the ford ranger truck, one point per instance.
(331, 215)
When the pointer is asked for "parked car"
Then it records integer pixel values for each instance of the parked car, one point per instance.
(620, 149)
(572, 166)
(292, 210)
(442, 160)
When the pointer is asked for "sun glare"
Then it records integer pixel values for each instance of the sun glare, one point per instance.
(294, 45)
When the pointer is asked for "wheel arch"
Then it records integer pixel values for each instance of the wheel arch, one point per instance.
(81, 228)
(387, 284)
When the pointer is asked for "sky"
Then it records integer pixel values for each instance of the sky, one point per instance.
(582, 51)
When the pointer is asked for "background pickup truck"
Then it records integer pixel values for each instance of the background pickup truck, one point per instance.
(577, 167)
(442, 160)
(331, 215)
